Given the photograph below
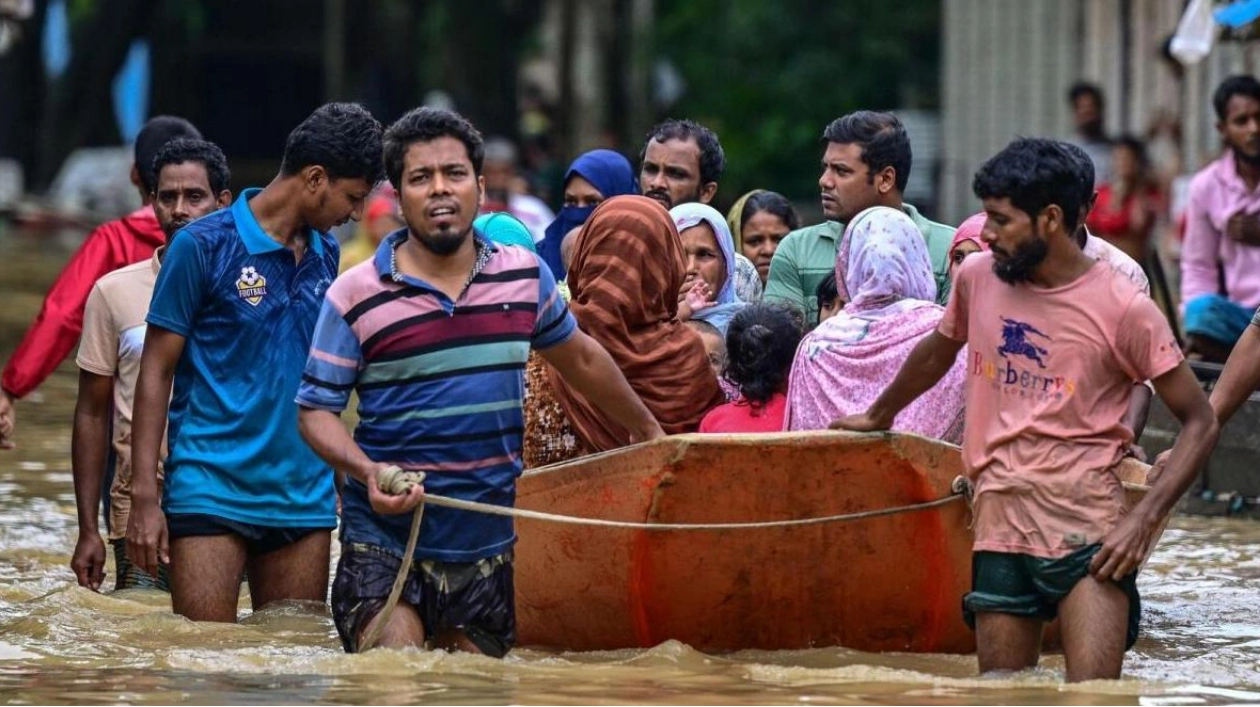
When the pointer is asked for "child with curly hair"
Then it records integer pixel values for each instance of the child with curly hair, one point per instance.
(760, 344)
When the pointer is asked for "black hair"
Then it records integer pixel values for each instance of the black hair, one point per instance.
(712, 158)
(774, 203)
(1237, 85)
(156, 133)
(1084, 170)
(1135, 145)
(883, 140)
(425, 124)
(343, 138)
(1080, 89)
(208, 154)
(761, 342)
(827, 292)
(1034, 173)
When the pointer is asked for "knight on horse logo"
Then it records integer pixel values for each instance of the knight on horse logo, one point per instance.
(1015, 342)
(251, 286)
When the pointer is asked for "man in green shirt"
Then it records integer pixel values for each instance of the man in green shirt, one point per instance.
(866, 163)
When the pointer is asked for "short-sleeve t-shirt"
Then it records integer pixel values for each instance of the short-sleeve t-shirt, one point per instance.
(440, 386)
(742, 417)
(247, 311)
(113, 340)
(1050, 372)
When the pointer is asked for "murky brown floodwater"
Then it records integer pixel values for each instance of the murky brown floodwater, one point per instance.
(62, 644)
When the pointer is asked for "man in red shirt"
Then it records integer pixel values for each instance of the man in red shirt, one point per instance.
(113, 245)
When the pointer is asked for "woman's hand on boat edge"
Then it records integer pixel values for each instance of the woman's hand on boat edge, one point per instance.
(863, 422)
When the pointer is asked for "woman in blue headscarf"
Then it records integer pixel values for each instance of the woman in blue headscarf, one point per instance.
(595, 176)
(708, 292)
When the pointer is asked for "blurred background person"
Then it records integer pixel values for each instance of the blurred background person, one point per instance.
(1129, 202)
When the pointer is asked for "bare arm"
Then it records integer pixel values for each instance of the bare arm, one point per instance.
(1240, 378)
(328, 438)
(88, 455)
(930, 360)
(146, 528)
(1127, 544)
(1135, 418)
(592, 372)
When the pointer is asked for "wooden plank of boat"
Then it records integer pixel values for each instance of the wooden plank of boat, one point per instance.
(892, 583)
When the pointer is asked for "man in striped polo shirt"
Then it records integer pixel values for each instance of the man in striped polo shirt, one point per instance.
(434, 333)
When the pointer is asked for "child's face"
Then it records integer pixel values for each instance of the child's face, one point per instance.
(716, 350)
(827, 311)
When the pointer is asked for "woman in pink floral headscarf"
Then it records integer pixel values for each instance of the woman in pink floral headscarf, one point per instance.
(884, 273)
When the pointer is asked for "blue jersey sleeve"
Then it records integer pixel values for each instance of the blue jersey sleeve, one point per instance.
(181, 286)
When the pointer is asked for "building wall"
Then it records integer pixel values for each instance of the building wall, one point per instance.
(1008, 64)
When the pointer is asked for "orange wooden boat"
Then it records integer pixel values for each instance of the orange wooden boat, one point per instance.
(891, 583)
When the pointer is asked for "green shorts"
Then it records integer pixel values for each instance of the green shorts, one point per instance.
(1024, 585)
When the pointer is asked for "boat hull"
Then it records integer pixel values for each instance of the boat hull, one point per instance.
(892, 583)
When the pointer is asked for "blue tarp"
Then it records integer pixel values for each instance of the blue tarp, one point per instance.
(1238, 14)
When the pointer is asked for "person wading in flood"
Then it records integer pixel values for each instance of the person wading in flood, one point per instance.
(433, 334)
(1048, 389)
(191, 180)
(231, 321)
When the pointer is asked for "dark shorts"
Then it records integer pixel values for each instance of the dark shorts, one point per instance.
(128, 576)
(259, 539)
(476, 598)
(1023, 585)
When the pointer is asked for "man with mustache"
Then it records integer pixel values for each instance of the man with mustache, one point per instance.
(229, 330)
(190, 180)
(112, 245)
(433, 334)
(866, 162)
(1220, 259)
(1056, 341)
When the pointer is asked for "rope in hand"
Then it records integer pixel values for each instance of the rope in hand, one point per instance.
(395, 481)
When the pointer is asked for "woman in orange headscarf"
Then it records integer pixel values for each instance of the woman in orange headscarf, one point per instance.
(625, 276)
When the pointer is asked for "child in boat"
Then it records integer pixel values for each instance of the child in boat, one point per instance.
(760, 343)
(714, 345)
(828, 294)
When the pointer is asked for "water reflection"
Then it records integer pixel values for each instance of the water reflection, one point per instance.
(60, 644)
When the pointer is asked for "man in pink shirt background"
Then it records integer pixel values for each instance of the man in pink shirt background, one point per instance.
(1220, 260)
(1056, 342)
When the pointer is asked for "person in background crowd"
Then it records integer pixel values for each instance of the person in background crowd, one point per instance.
(967, 242)
(708, 291)
(380, 218)
(131, 239)
(884, 274)
(593, 177)
(1126, 206)
(191, 181)
(866, 162)
(504, 229)
(504, 193)
(1089, 119)
(759, 221)
(1220, 258)
(760, 344)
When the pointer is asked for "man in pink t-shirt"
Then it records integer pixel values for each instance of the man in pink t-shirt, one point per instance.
(1056, 340)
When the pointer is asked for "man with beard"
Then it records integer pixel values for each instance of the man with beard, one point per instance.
(1220, 259)
(866, 163)
(1049, 386)
(434, 334)
(1086, 101)
(190, 181)
(233, 311)
(681, 163)
(112, 245)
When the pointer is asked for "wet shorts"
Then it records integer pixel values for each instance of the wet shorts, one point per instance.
(476, 598)
(1023, 585)
(128, 576)
(259, 539)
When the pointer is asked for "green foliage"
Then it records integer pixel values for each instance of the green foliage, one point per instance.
(768, 75)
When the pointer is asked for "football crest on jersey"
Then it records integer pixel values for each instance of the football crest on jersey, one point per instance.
(251, 286)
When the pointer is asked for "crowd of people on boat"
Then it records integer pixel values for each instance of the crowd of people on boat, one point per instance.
(223, 337)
